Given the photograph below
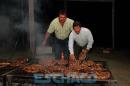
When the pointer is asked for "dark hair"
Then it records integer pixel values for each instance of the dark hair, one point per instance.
(62, 12)
(76, 23)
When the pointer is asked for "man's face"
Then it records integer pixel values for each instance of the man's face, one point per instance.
(77, 29)
(62, 18)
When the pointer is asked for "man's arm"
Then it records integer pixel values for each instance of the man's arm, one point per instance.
(49, 31)
(71, 48)
(90, 40)
(45, 38)
(89, 45)
(71, 43)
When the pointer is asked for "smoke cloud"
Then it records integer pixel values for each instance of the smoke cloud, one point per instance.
(14, 30)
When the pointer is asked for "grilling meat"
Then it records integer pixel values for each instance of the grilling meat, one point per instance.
(82, 54)
(90, 63)
(4, 64)
(48, 62)
(73, 68)
(62, 62)
(98, 66)
(103, 75)
(18, 62)
(34, 68)
(59, 69)
(91, 66)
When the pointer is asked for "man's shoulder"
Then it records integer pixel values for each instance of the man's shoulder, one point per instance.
(72, 33)
(85, 29)
(70, 20)
(54, 20)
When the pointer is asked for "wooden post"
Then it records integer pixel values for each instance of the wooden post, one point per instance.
(32, 34)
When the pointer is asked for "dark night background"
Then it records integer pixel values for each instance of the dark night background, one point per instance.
(97, 16)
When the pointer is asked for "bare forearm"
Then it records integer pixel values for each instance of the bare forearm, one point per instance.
(46, 38)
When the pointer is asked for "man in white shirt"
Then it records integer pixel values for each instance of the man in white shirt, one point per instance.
(83, 38)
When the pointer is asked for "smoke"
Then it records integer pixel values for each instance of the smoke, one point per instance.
(14, 22)
(12, 15)
(41, 22)
(41, 10)
(4, 27)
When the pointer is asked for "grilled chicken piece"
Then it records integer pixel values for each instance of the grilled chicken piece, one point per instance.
(98, 66)
(4, 63)
(18, 62)
(103, 75)
(48, 62)
(62, 62)
(34, 68)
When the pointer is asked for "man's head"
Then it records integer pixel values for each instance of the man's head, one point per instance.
(62, 16)
(76, 27)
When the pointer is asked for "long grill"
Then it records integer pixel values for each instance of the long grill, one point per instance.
(20, 76)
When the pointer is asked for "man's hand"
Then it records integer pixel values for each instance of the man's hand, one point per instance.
(83, 54)
(72, 57)
(45, 39)
(85, 51)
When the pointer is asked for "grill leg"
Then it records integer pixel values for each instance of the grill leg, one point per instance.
(9, 82)
(4, 81)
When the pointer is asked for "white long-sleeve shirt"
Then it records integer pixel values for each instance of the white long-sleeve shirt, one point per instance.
(83, 38)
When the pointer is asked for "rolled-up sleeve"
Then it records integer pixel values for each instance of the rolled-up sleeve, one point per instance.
(90, 40)
(71, 42)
